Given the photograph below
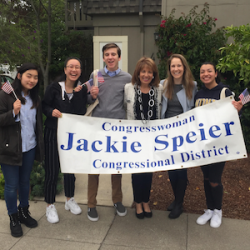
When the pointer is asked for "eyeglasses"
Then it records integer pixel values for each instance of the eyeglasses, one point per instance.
(73, 67)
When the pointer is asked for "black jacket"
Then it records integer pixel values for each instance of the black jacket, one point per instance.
(53, 100)
(10, 133)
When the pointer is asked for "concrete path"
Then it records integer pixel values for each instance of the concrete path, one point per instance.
(112, 232)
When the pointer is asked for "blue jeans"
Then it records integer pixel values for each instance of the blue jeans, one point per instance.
(18, 178)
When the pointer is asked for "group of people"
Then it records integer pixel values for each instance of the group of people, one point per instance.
(122, 96)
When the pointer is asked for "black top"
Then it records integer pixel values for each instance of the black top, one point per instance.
(145, 100)
(53, 100)
(205, 95)
(10, 133)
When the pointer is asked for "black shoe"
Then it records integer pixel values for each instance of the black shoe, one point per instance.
(171, 206)
(176, 212)
(15, 226)
(25, 218)
(148, 214)
(139, 216)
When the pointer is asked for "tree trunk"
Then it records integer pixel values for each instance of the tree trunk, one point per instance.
(46, 75)
(44, 68)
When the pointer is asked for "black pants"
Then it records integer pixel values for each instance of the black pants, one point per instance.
(212, 174)
(177, 174)
(141, 184)
(52, 166)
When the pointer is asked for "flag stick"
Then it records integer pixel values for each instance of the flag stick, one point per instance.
(15, 94)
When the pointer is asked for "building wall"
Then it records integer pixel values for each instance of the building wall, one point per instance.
(228, 12)
(139, 43)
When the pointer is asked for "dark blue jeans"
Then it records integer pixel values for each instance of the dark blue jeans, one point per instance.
(18, 178)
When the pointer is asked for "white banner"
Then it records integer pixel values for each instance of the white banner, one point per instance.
(204, 135)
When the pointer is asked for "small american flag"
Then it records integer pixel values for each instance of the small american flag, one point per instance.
(89, 84)
(245, 97)
(7, 88)
(100, 78)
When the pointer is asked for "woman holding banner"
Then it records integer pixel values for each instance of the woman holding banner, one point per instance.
(142, 101)
(65, 96)
(178, 97)
(21, 142)
(213, 90)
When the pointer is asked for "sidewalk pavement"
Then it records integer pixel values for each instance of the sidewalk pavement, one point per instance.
(112, 232)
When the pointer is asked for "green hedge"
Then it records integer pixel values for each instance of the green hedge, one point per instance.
(193, 35)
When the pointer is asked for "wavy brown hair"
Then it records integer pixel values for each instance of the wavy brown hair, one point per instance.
(142, 63)
(187, 78)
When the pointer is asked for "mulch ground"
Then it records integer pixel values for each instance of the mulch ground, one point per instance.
(236, 197)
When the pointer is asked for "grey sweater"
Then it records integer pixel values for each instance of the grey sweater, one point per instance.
(111, 96)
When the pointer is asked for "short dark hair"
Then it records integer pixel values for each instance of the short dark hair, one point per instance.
(110, 46)
(70, 58)
(63, 76)
(217, 79)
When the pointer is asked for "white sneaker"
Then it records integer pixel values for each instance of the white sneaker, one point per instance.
(216, 219)
(72, 206)
(51, 214)
(203, 219)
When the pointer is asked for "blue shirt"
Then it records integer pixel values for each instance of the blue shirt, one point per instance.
(28, 124)
(111, 73)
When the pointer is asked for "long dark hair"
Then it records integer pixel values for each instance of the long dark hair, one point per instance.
(34, 92)
(217, 79)
(63, 76)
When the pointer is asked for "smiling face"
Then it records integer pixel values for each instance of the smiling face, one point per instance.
(28, 80)
(111, 59)
(72, 70)
(176, 68)
(146, 76)
(208, 75)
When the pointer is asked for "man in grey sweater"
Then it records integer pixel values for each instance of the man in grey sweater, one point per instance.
(111, 96)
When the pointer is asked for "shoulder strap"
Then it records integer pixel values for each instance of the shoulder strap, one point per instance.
(223, 93)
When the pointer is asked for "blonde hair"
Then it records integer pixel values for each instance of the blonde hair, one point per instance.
(187, 78)
(142, 63)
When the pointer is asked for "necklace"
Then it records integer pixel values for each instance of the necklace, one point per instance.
(151, 103)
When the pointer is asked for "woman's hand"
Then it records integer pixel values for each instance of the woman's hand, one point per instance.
(94, 92)
(56, 113)
(17, 106)
(238, 105)
(78, 88)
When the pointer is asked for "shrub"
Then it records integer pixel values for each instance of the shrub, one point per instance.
(235, 67)
(191, 35)
(37, 178)
(236, 55)
(2, 182)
